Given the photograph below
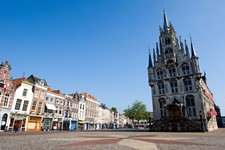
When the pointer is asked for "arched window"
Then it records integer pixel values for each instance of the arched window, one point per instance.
(169, 53)
(190, 104)
(172, 71)
(167, 41)
(173, 85)
(187, 84)
(161, 88)
(162, 102)
(160, 74)
(185, 69)
(6, 100)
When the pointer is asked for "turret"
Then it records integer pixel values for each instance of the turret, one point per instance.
(165, 24)
(181, 45)
(186, 49)
(150, 70)
(194, 60)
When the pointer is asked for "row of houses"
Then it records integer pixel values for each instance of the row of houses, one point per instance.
(31, 104)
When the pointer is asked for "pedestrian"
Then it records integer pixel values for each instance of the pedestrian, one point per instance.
(60, 129)
(16, 128)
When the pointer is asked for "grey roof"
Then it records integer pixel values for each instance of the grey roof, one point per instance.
(36, 80)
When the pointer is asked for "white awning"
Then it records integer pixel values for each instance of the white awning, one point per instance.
(50, 106)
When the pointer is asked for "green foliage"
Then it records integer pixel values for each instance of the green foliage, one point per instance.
(114, 109)
(138, 111)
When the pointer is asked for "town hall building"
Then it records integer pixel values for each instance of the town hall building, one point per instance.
(181, 98)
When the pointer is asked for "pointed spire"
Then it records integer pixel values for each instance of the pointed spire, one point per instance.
(160, 47)
(157, 50)
(154, 58)
(186, 48)
(150, 60)
(193, 53)
(165, 24)
(181, 44)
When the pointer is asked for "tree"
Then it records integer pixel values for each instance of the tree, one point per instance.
(114, 110)
(138, 111)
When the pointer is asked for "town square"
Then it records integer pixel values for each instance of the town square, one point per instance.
(129, 139)
(112, 75)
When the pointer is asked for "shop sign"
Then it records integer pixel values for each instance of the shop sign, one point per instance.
(35, 118)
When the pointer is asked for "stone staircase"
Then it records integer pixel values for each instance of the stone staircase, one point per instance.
(191, 125)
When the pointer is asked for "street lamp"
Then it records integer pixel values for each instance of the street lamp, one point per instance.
(150, 122)
(200, 115)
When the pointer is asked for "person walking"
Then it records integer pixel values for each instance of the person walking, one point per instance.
(60, 128)
(16, 128)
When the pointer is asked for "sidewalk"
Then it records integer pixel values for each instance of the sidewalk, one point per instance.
(12, 133)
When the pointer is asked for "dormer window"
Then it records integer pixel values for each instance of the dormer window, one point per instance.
(24, 92)
(41, 82)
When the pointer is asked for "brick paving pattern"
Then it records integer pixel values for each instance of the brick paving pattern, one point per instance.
(113, 140)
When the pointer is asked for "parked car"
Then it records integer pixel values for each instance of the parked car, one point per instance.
(128, 126)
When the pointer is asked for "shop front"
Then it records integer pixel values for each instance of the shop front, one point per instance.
(46, 124)
(81, 125)
(34, 123)
(66, 124)
(89, 124)
(4, 119)
(18, 122)
(3, 122)
(73, 125)
(57, 123)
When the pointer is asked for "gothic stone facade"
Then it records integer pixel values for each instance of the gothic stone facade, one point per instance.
(181, 98)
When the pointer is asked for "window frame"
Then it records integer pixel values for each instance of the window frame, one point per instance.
(25, 105)
(188, 84)
(25, 91)
(18, 104)
(191, 106)
(161, 88)
(174, 86)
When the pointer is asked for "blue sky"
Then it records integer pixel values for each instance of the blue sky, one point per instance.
(101, 46)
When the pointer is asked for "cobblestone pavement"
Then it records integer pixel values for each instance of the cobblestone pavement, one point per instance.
(113, 140)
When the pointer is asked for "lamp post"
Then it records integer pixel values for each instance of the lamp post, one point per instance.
(150, 122)
(201, 120)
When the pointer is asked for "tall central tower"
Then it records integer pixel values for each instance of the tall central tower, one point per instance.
(180, 96)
